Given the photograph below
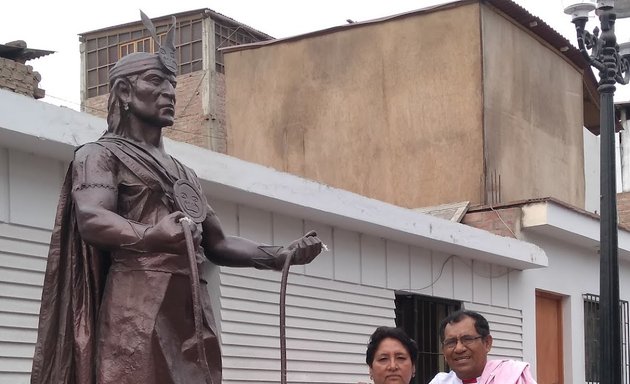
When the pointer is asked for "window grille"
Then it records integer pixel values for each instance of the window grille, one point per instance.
(140, 45)
(592, 340)
(104, 51)
(189, 49)
(227, 35)
(420, 317)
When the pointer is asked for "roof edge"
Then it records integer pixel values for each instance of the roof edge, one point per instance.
(205, 12)
(429, 9)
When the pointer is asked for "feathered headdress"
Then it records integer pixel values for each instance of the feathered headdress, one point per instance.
(138, 62)
(166, 52)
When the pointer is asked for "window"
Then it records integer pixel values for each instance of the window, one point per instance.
(104, 51)
(189, 46)
(101, 53)
(227, 35)
(140, 45)
(591, 339)
(420, 317)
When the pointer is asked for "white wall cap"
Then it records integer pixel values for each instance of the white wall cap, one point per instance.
(38, 127)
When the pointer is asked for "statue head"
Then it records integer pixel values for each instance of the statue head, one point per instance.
(139, 69)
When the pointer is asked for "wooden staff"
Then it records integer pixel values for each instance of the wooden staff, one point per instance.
(187, 224)
(283, 317)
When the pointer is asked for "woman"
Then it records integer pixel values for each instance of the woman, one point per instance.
(391, 356)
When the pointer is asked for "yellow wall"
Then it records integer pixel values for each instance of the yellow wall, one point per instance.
(533, 115)
(390, 110)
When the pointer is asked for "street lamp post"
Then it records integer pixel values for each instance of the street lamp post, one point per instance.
(613, 68)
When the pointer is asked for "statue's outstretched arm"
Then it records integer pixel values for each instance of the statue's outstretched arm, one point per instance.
(236, 251)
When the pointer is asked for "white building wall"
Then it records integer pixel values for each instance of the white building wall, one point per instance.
(506, 327)
(573, 271)
(334, 303)
(29, 186)
(591, 171)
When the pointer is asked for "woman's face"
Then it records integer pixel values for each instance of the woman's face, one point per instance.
(392, 363)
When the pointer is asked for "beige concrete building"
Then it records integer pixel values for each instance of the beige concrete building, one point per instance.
(476, 100)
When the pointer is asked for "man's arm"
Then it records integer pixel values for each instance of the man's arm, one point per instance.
(95, 196)
(235, 251)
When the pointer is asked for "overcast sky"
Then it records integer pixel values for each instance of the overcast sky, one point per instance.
(54, 25)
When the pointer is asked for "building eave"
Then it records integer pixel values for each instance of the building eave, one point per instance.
(46, 131)
(553, 219)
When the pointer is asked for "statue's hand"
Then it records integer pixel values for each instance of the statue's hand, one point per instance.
(303, 250)
(168, 235)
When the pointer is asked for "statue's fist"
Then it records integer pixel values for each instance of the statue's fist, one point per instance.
(302, 250)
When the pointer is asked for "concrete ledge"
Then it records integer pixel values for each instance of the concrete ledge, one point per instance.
(549, 218)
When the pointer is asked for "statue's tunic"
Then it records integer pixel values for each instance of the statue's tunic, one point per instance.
(143, 331)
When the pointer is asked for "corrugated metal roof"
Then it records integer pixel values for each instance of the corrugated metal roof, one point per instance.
(18, 51)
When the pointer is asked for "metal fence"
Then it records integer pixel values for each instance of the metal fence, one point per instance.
(591, 339)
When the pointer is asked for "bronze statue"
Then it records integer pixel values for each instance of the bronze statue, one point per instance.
(117, 305)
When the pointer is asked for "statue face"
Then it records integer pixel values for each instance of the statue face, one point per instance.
(153, 98)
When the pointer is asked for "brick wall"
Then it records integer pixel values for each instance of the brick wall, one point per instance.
(623, 208)
(190, 121)
(20, 78)
(191, 125)
(500, 221)
(96, 106)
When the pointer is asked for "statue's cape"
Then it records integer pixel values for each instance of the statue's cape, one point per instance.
(75, 277)
(73, 285)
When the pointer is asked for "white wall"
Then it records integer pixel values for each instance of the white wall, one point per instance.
(591, 169)
(572, 272)
(334, 303)
(29, 186)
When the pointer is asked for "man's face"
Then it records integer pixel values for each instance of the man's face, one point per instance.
(468, 356)
(153, 98)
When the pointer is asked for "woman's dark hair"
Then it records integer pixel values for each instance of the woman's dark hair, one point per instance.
(382, 333)
(481, 324)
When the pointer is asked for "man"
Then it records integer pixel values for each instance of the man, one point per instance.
(466, 341)
(116, 305)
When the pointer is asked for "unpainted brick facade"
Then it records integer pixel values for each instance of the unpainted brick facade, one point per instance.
(218, 126)
(503, 222)
(623, 208)
(20, 78)
(193, 123)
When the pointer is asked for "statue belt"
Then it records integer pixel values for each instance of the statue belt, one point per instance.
(127, 260)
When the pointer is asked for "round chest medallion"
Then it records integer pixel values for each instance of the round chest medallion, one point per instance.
(189, 200)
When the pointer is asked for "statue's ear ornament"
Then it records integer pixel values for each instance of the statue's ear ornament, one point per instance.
(166, 51)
